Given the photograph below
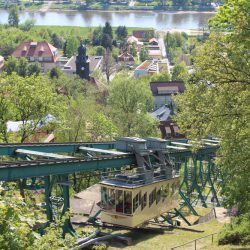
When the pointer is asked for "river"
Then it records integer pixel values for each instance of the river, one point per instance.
(156, 20)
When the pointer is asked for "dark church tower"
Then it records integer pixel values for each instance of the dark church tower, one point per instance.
(82, 63)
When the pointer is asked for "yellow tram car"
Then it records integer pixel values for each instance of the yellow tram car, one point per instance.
(131, 204)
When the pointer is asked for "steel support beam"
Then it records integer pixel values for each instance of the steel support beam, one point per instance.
(43, 154)
(56, 167)
(71, 147)
(101, 151)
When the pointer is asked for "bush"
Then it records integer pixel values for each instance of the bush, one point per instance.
(237, 232)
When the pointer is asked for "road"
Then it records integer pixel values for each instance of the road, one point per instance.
(163, 49)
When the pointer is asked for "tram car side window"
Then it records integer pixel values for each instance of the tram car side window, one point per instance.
(158, 195)
(136, 201)
(127, 202)
(165, 192)
(119, 201)
(152, 197)
(144, 201)
(172, 189)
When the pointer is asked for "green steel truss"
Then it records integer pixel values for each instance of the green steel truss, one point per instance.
(54, 162)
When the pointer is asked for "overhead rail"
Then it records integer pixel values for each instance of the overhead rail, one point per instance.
(68, 147)
(62, 164)
(43, 154)
(101, 151)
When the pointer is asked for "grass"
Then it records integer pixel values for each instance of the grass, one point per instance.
(83, 32)
(226, 247)
(150, 241)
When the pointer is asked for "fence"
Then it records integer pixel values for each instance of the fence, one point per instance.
(195, 241)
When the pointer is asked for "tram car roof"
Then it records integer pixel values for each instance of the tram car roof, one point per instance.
(124, 181)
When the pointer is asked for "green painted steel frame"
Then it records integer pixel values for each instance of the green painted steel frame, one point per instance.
(62, 168)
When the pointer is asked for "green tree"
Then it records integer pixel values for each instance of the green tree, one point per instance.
(97, 36)
(121, 33)
(180, 72)
(101, 127)
(106, 41)
(13, 18)
(22, 66)
(72, 45)
(133, 50)
(100, 51)
(55, 72)
(144, 54)
(28, 25)
(34, 69)
(130, 99)
(17, 220)
(107, 29)
(57, 41)
(31, 98)
(217, 99)
(162, 77)
(11, 65)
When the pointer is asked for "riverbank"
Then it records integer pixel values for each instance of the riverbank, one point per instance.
(113, 7)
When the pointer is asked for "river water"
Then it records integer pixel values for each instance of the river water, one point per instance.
(157, 20)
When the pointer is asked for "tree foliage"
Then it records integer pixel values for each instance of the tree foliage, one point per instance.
(217, 99)
(144, 55)
(13, 18)
(121, 33)
(28, 100)
(17, 223)
(180, 72)
(130, 99)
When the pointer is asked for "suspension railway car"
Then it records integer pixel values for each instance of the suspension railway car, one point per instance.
(131, 204)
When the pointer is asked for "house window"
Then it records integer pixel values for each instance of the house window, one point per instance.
(40, 59)
(32, 59)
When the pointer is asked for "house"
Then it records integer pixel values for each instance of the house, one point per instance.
(41, 133)
(143, 35)
(1, 63)
(153, 47)
(95, 63)
(42, 52)
(163, 91)
(132, 39)
(153, 41)
(155, 54)
(167, 126)
(126, 58)
(150, 67)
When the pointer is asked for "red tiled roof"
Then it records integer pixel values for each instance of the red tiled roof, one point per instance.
(125, 57)
(153, 40)
(174, 86)
(36, 49)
